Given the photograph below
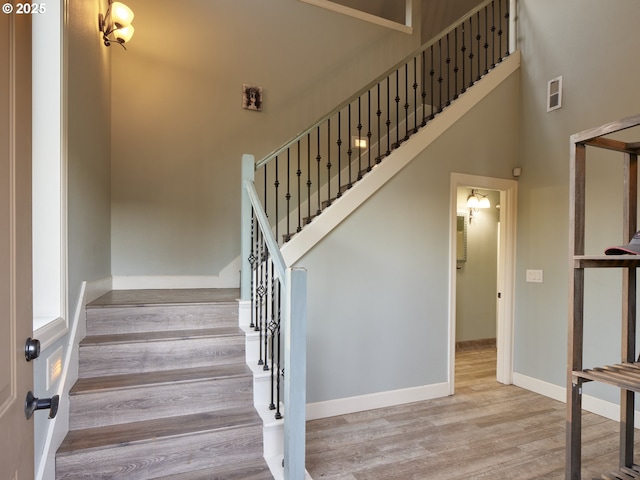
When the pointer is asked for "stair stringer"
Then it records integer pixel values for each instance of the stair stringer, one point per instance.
(399, 158)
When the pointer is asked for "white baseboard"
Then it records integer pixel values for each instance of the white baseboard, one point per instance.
(343, 406)
(540, 387)
(148, 282)
(591, 404)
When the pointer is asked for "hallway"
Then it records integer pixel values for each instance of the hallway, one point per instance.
(485, 430)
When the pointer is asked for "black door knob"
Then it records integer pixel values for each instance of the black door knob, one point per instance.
(31, 349)
(32, 404)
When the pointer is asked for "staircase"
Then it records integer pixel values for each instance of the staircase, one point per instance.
(163, 391)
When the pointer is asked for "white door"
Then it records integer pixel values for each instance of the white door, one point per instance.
(16, 320)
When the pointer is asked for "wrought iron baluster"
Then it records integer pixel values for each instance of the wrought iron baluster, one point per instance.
(397, 100)
(349, 150)
(463, 50)
(359, 177)
(432, 73)
(277, 366)
(507, 27)
(388, 115)
(318, 161)
(379, 114)
(439, 75)
(271, 329)
(264, 202)
(493, 34)
(478, 38)
(265, 312)
(448, 62)
(423, 80)
(276, 184)
(299, 175)
(252, 261)
(287, 196)
(309, 178)
(500, 30)
(471, 51)
(339, 143)
(415, 94)
(369, 134)
(406, 102)
(328, 162)
(455, 64)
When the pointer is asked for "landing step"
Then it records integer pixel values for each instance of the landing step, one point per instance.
(136, 432)
(121, 298)
(256, 470)
(119, 382)
(120, 338)
(156, 448)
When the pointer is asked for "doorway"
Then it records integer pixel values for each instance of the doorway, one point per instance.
(505, 195)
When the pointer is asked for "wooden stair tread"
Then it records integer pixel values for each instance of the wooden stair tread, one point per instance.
(161, 335)
(137, 432)
(123, 381)
(165, 297)
(251, 470)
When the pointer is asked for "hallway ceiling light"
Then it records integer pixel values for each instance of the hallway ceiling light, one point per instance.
(115, 25)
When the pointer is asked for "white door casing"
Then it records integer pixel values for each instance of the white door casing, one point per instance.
(506, 270)
(16, 374)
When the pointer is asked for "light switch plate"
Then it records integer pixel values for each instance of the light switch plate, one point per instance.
(534, 276)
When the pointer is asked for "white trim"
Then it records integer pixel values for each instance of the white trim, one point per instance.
(343, 406)
(313, 233)
(49, 174)
(367, 17)
(50, 332)
(506, 271)
(58, 427)
(590, 403)
(540, 387)
(146, 282)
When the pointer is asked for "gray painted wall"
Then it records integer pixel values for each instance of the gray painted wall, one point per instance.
(437, 15)
(378, 315)
(590, 43)
(179, 130)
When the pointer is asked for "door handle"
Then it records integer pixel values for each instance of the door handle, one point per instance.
(31, 349)
(32, 404)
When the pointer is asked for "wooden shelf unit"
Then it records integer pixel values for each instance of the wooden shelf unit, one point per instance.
(626, 374)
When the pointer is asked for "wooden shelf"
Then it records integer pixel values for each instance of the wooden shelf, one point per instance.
(626, 374)
(623, 375)
(606, 261)
(623, 474)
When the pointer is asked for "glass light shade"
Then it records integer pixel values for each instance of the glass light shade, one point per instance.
(121, 15)
(472, 201)
(123, 35)
(484, 203)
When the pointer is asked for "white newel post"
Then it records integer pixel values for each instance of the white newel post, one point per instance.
(248, 173)
(295, 375)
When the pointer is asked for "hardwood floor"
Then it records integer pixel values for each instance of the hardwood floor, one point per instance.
(486, 430)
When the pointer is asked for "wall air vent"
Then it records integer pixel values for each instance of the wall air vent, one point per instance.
(554, 94)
